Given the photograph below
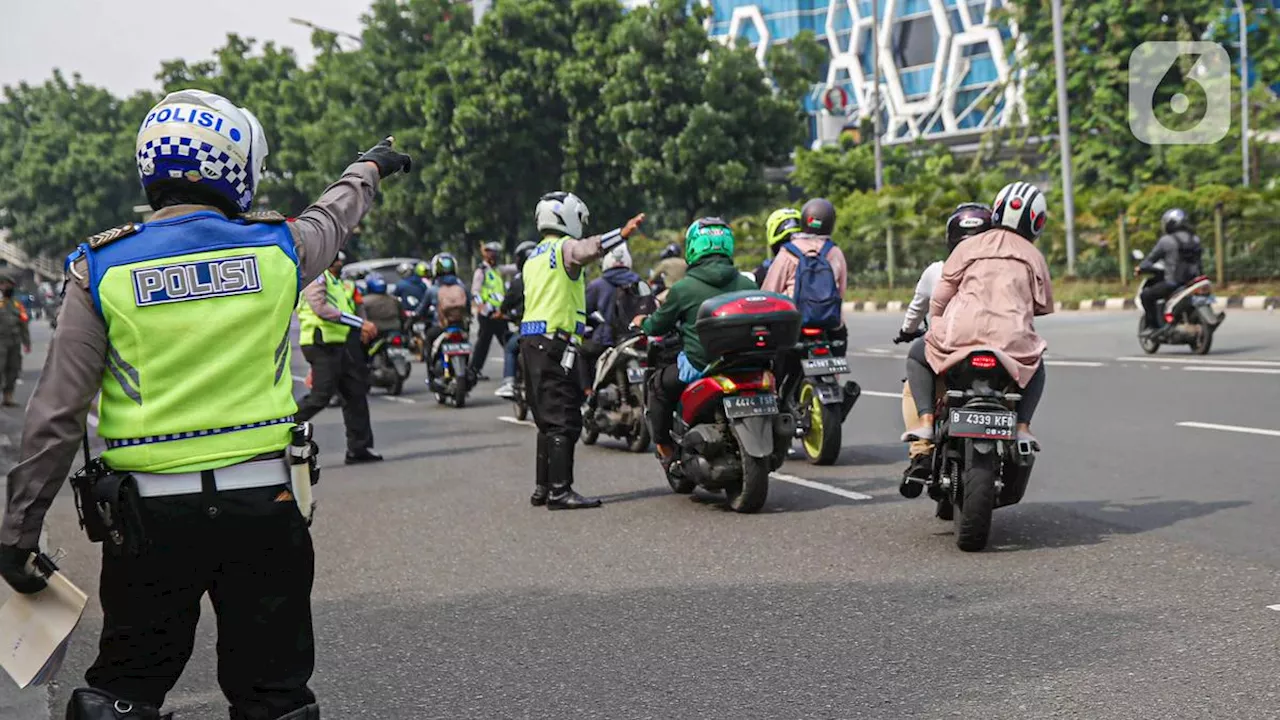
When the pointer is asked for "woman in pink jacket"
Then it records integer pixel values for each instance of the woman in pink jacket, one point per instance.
(991, 288)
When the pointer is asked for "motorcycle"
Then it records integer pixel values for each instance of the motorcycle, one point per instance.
(1189, 317)
(729, 431)
(978, 462)
(820, 401)
(448, 374)
(389, 362)
(617, 407)
(417, 325)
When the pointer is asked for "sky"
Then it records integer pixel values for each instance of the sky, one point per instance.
(119, 44)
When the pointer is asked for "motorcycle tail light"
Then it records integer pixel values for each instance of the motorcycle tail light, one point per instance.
(983, 362)
(726, 385)
(396, 340)
(822, 351)
(1168, 317)
(811, 332)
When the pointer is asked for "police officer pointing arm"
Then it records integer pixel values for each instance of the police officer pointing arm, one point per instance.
(554, 319)
(183, 323)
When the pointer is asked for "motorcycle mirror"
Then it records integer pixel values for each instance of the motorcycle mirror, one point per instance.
(1137, 255)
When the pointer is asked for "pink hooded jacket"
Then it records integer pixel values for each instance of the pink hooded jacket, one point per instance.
(992, 287)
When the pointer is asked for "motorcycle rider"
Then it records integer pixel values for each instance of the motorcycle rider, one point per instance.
(992, 287)
(782, 224)
(452, 303)
(513, 310)
(487, 289)
(709, 253)
(554, 320)
(669, 270)
(967, 220)
(602, 294)
(413, 284)
(169, 364)
(1180, 251)
(380, 308)
(817, 220)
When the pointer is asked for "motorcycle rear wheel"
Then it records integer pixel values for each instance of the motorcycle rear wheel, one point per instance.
(822, 441)
(973, 516)
(1203, 341)
(522, 410)
(748, 494)
(1149, 346)
(459, 392)
(640, 441)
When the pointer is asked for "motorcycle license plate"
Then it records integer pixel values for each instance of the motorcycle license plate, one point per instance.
(983, 424)
(398, 352)
(635, 375)
(456, 348)
(824, 366)
(741, 406)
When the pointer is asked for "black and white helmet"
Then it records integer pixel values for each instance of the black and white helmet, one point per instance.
(1020, 207)
(1174, 219)
(562, 212)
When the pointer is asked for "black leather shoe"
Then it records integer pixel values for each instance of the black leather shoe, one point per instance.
(539, 496)
(364, 456)
(568, 499)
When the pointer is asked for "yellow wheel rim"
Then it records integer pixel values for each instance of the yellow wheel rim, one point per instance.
(812, 439)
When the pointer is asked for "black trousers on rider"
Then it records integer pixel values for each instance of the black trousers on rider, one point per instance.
(665, 387)
(254, 558)
(1151, 297)
(489, 329)
(341, 369)
(921, 379)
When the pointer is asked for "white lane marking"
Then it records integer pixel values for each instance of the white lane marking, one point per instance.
(1191, 361)
(1074, 363)
(1231, 428)
(878, 393)
(513, 421)
(877, 355)
(1274, 607)
(1255, 371)
(393, 398)
(819, 486)
(879, 351)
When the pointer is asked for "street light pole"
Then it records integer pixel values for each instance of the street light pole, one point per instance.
(1244, 90)
(1064, 138)
(875, 90)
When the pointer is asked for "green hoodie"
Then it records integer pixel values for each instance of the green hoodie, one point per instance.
(711, 276)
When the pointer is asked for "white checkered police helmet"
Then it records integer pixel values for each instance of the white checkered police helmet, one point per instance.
(562, 212)
(193, 136)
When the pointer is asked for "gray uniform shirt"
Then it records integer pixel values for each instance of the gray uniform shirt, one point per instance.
(73, 369)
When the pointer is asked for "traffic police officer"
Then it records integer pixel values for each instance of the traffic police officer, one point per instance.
(487, 290)
(554, 319)
(332, 337)
(183, 323)
(15, 338)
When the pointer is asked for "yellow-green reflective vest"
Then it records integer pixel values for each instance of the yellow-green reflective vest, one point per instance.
(492, 288)
(553, 301)
(197, 310)
(337, 294)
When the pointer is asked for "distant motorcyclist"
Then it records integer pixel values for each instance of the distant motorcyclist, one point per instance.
(413, 284)
(513, 310)
(487, 290)
(449, 296)
(781, 225)
(381, 309)
(967, 220)
(1180, 251)
(992, 287)
(618, 295)
(709, 254)
(670, 269)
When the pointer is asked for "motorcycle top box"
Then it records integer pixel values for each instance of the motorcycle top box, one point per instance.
(748, 323)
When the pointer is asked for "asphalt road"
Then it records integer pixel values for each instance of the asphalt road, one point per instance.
(1133, 581)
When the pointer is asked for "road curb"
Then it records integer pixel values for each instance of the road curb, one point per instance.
(1233, 302)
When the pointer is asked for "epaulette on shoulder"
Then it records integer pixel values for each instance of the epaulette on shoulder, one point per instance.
(264, 216)
(110, 236)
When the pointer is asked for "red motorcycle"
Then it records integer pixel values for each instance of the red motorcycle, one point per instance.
(728, 430)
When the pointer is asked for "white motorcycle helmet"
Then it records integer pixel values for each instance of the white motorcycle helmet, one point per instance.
(193, 137)
(562, 212)
(1020, 207)
(617, 257)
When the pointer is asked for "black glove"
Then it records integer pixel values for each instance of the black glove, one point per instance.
(904, 336)
(388, 159)
(13, 567)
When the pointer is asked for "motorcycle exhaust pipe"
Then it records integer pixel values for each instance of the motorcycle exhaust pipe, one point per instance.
(852, 391)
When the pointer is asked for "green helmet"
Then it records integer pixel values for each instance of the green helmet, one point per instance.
(782, 224)
(707, 236)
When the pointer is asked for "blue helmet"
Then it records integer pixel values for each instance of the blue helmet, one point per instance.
(375, 284)
(193, 137)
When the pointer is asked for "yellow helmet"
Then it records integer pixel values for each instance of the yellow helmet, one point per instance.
(782, 224)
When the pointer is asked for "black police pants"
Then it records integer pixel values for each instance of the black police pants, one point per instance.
(489, 329)
(10, 364)
(1151, 297)
(665, 387)
(554, 395)
(344, 370)
(254, 558)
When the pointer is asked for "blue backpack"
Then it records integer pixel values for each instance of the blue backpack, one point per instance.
(817, 293)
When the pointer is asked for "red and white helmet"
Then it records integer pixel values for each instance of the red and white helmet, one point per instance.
(1020, 207)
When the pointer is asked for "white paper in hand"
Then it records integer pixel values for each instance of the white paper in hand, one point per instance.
(34, 630)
